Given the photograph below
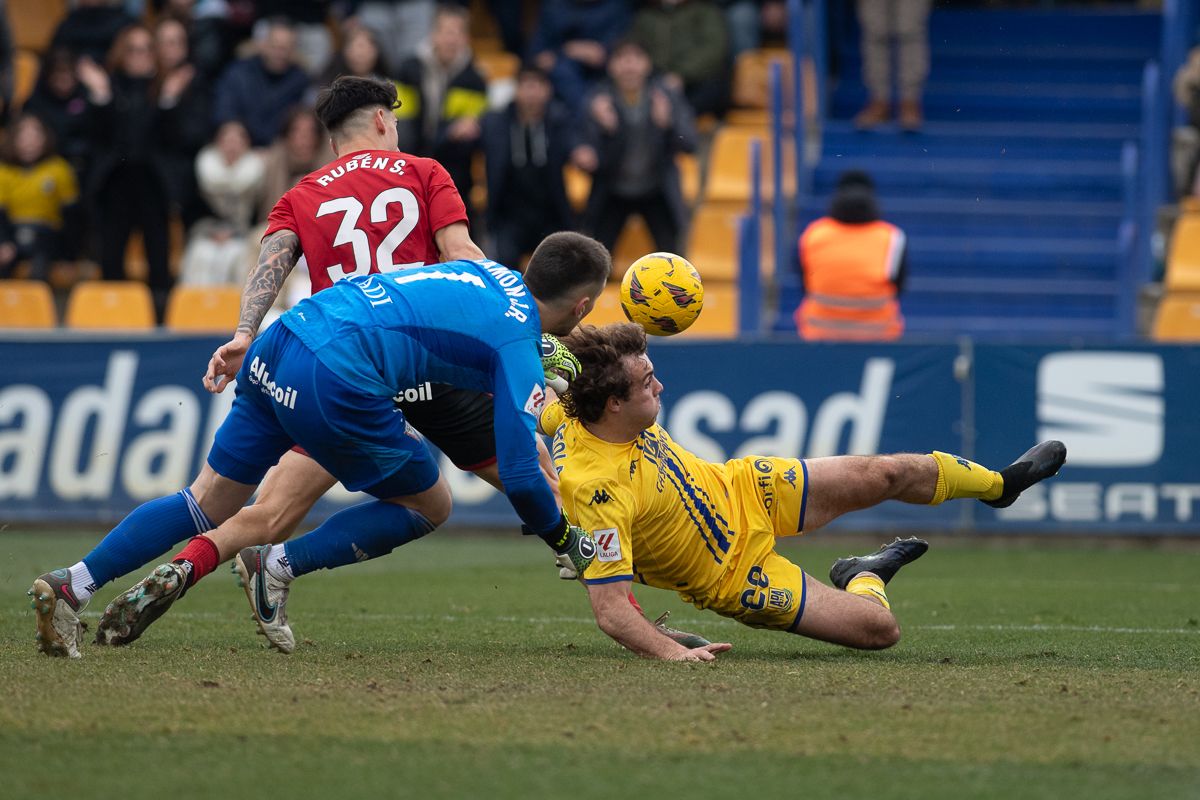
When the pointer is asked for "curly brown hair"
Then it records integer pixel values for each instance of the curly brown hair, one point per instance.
(601, 353)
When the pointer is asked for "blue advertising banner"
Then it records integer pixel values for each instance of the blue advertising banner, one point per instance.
(90, 427)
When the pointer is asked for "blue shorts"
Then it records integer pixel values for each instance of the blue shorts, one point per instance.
(285, 396)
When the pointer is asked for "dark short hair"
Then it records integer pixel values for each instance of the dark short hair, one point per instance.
(601, 353)
(854, 205)
(629, 43)
(565, 261)
(530, 69)
(349, 93)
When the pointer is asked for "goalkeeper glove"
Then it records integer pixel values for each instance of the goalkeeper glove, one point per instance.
(558, 363)
(575, 548)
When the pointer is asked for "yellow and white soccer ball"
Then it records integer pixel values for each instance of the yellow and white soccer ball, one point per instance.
(663, 293)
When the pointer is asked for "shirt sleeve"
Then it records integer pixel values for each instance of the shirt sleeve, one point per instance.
(282, 217)
(519, 394)
(606, 511)
(445, 203)
(551, 417)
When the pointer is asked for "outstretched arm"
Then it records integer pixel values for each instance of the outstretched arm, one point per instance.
(279, 254)
(454, 243)
(620, 620)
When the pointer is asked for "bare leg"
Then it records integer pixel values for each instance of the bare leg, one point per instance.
(832, 615)
(840, 484)
(218, 496)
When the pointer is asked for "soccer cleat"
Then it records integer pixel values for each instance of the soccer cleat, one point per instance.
(884, 562)
(59, 630)
(688, 640)
(1038, 463)
(127, 617)
(267, 595)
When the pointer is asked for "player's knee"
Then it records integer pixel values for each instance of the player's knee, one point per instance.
(882, 633)
(435, 507)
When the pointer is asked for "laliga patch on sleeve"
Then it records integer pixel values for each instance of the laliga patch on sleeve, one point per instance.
(608, 542)
(537, 399)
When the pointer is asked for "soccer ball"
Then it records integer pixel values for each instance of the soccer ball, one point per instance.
(662, 292)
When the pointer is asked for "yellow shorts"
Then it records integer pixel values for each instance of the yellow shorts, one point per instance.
(766, 592)
(771, 492)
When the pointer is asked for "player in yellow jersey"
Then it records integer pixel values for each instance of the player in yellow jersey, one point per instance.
(664, 517)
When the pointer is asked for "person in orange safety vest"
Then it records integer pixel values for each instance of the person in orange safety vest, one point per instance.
(853, 266)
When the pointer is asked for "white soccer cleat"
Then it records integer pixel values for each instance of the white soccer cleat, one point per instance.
(267, 595)
(59, 630)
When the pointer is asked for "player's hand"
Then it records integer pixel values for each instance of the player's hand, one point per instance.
(558, 363)
(579, 553)
(706, 653)
(225, 363)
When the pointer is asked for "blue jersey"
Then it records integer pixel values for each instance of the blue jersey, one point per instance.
(471, 324)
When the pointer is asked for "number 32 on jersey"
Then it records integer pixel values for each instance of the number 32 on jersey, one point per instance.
(351, 209)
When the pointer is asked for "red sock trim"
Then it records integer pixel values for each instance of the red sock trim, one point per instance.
(633, 602)
(202, 554)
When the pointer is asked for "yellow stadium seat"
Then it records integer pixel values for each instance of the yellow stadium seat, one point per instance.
(689, 176)
(633, 243)
(1183, 258)
(751, 72)
(204, 308)
(608, 306)
(719, 319)
(25, 72)
(497, 65)
(33, 22)
(729, 165)
(713, 245)
(26, 304)
(579, 185)
(1178, 318)
(110, 305)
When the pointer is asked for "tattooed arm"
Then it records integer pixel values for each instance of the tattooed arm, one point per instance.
(279, 254)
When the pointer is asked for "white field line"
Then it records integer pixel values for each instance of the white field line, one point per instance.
(705, 621)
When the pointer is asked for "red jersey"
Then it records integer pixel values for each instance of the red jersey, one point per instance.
(369, 211)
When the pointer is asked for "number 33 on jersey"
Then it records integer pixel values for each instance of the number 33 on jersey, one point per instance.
(368, 211)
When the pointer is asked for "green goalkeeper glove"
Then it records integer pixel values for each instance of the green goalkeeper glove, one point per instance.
(558, 363)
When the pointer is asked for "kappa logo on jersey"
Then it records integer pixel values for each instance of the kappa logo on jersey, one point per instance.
(609, 543)
(599, 497)
(537, 399)
(790, 476)
(682, 297)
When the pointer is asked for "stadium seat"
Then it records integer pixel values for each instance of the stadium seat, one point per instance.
(33, 22)
(729, 165)
(689, 176)
(25, 71)
(608, 306)
(26, 304)
(719, 319)
(1183, 258)
(633, 243)
(713, 246)
(110, 305)
(204, 308)
(1178, 318)
(751, 72)
(497, 65)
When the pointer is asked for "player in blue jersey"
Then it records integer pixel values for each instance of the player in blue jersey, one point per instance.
(324, 379)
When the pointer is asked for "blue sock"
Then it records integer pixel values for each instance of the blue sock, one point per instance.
(149, 531)
(358, 533)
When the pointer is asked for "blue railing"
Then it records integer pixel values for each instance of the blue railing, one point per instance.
(1129, 237)
(749, 234)
(1153, 157)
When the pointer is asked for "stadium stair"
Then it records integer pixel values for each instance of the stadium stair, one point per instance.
(1011, 195)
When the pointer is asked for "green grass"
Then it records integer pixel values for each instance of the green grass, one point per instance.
(460, 667)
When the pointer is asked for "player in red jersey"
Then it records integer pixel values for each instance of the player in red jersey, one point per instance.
(372, 209)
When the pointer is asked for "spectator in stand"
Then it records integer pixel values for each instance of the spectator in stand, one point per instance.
(1186, 145)
(853, 265)
(128, 184)
(308, 17)
(230, 175)
(689, 45)
(634, 127)
(6, 68)
(526, 146)
(442, 96)
(906, 21)
(401, 26)
(359, 56)
(90, 28)
(60, 100)
(258, 91)
(572, 42)
(210, 39)
(38, 194)
(186, 102)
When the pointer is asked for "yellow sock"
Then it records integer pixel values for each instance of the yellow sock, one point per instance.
(959, 478)
(870, 587)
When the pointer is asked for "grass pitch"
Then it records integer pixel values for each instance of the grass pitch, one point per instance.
(459, 666)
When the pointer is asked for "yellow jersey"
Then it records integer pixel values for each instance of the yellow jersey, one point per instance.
(666, 518)
(36, 194)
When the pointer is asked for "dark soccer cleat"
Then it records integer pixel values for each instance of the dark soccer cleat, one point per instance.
(1038, 463)
(59, 630)
(688, 640)
(127, 617)
(884, 562)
